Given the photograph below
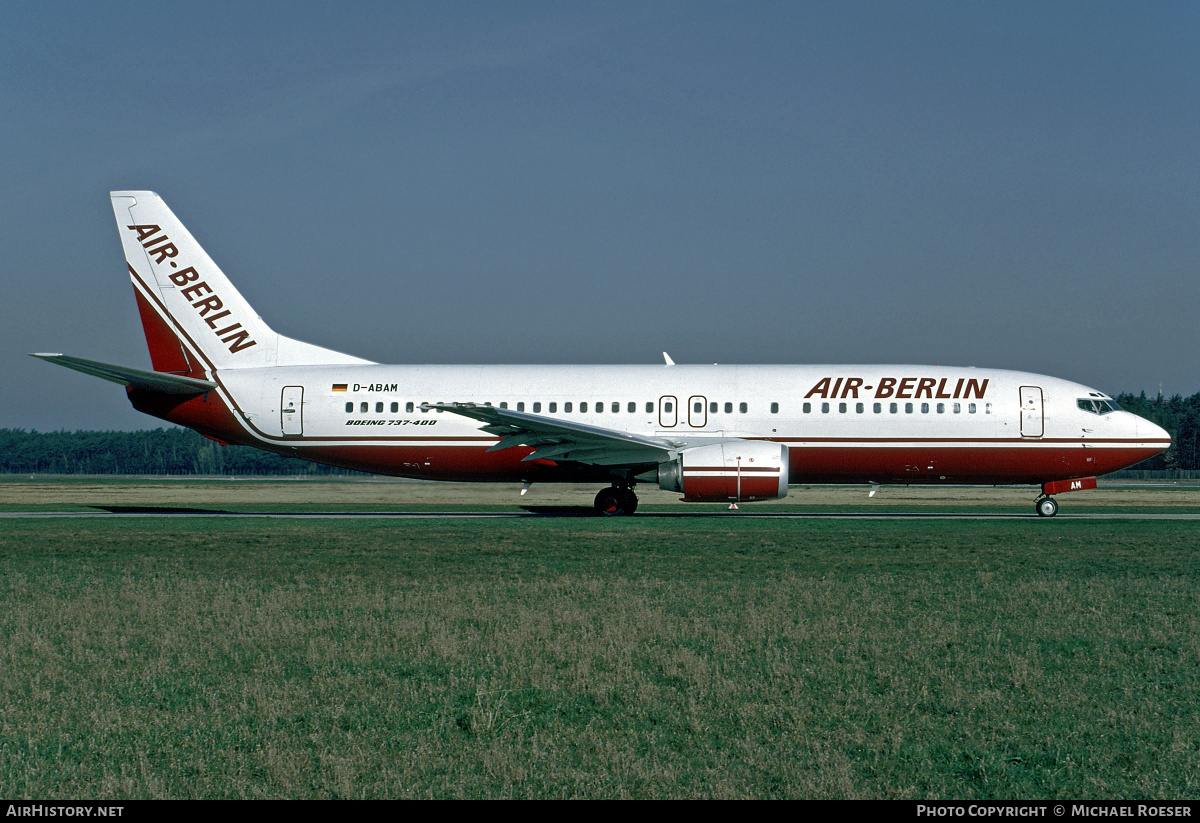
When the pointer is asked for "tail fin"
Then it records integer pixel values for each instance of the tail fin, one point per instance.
(182, 294)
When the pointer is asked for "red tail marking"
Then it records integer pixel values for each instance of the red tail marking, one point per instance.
(166, 352)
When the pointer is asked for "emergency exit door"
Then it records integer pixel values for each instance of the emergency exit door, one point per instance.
(292, 411)
(1032, 419)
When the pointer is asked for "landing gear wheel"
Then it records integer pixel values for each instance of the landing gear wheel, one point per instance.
(1046, 507)
(615, 501)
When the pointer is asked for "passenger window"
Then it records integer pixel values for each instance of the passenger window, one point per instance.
(893, 408)
(582, 407)
(362, 408)
(859, 408)
(824, 408)
(649, 407)
(632, 407)
(395, 407)
(504, 404)
(807, 407)
(408, 407)
(941, 408)
(908, 408)
(729, 408)
(537, 408)
(958, 408)
(970, 408)
(841, 408)
(712, 408)
(349, 407)
(774, 408)
(698, 407)
(987, 408)
(521, 405)
(668, 406)
(423, 409)
(878, 407)
(567, 407)
(742, 408)
(924, 408)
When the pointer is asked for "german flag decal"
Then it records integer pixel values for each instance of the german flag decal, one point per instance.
(339, 386)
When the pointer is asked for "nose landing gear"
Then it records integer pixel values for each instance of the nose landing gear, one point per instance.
(616, 501)
(1047, 506)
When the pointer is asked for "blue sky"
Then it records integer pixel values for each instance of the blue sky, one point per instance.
(1013, 184)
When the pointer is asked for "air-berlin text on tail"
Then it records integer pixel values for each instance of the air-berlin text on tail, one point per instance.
(160, 247)
(903, 388)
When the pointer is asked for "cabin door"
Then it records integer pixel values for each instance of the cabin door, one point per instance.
(697, 412)
(1032, 420)
(292, 411)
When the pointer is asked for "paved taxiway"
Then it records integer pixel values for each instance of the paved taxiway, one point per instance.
(588, 514)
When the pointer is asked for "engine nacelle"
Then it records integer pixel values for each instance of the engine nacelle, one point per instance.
(738, 471)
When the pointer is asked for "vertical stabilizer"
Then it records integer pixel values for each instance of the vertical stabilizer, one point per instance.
(183, 294)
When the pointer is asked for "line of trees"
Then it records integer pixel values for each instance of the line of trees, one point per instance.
(160, 451)
(182, 451)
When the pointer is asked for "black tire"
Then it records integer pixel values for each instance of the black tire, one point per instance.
(1046, 507)
(611, 502)
(631, 501)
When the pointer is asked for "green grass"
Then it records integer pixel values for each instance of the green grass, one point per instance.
(590, 657)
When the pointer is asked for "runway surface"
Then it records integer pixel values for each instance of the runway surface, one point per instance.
(573, 512)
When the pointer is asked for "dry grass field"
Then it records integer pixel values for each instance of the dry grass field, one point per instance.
(587, 657)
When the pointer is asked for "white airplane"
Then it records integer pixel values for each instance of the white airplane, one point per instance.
(713, 433)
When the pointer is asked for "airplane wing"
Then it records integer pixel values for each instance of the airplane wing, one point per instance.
(133, 378)
(557, 439)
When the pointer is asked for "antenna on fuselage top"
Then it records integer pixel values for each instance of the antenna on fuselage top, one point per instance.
(668, 359)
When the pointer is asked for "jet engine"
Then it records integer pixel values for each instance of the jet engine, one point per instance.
(735, 471)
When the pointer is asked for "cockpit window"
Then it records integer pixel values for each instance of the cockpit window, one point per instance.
(1097, 405)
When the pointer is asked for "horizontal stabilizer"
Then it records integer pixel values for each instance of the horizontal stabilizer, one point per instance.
(133, 378)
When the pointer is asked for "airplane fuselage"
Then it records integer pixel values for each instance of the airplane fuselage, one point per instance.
(841, 424)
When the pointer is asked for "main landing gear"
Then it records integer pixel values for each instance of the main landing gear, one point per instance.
(1046, 506)
(616, 501)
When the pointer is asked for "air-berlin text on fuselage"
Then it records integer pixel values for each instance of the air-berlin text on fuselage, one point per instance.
(159, 246)
(903, 388)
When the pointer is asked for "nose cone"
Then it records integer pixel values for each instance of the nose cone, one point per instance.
(1153, 433)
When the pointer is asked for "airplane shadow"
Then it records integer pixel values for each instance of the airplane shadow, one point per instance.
(561, 511)
(157, 510)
